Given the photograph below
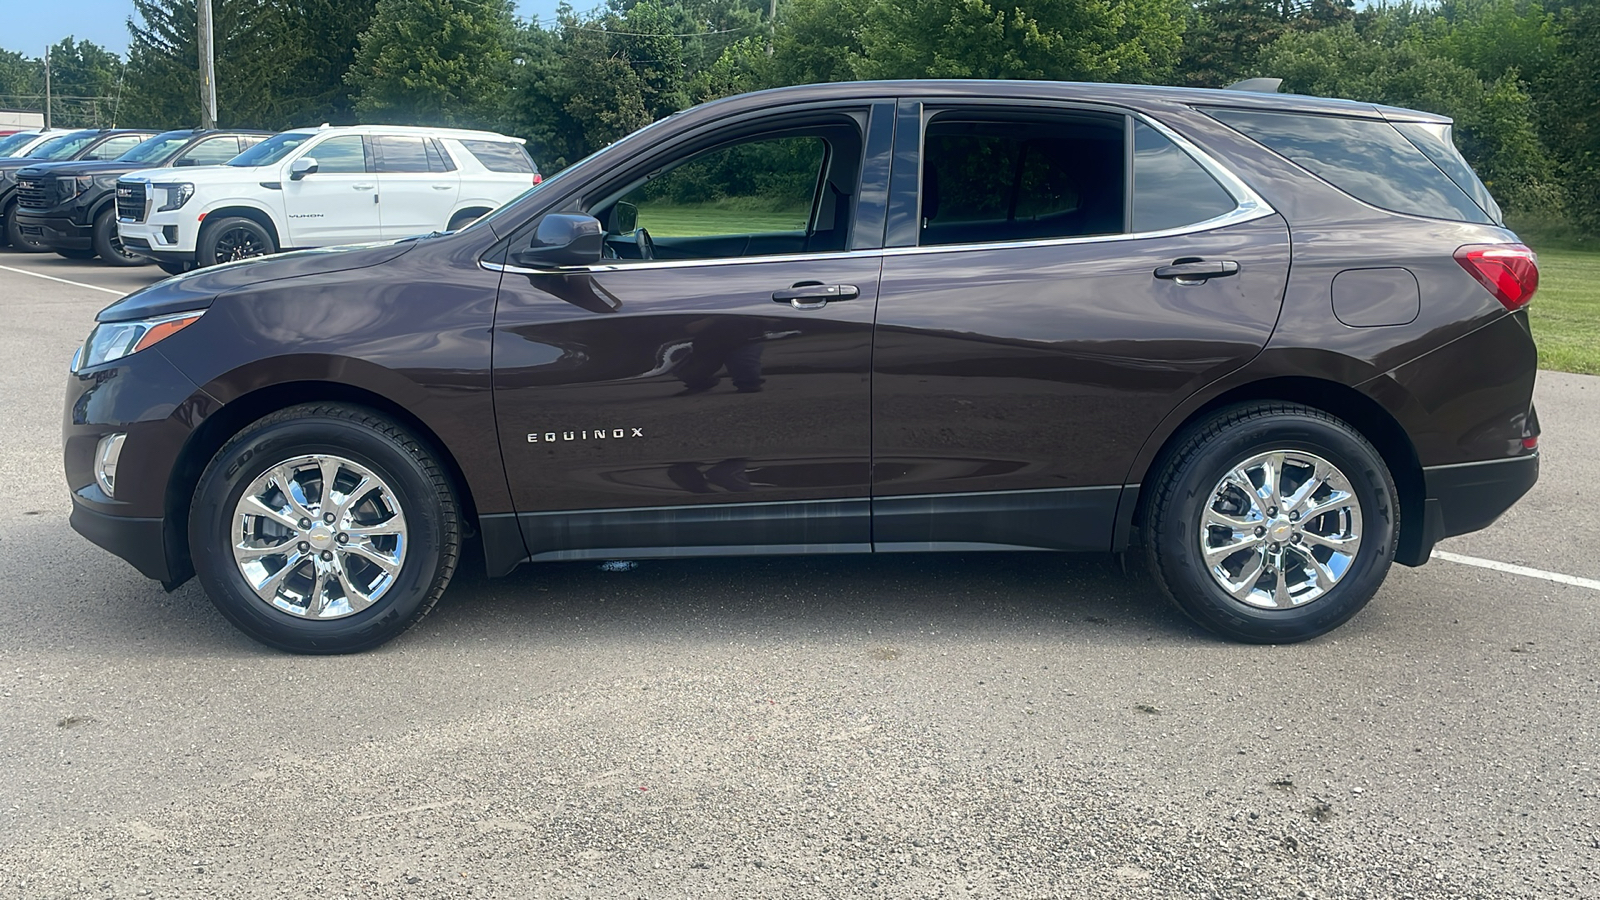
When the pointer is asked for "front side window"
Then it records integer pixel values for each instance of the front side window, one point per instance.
(115, 147)
(985, 181)
(157, 148)
(212, 152)
(340, 155)
(63, 147)
(1171, 189)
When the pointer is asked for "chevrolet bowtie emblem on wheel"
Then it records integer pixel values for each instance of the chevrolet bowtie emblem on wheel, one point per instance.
(551, 437)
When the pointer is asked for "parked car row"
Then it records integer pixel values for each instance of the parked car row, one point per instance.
(190, 197)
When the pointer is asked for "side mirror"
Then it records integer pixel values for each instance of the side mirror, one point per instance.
(624, 218)
(302, 167)
(186, 161)
(562, 240)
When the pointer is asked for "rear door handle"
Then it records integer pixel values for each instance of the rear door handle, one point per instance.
(1192, 270)
(815, 295)
(363, 185)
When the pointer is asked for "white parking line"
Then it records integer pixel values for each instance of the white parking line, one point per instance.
(64, 281)
(1589, 583)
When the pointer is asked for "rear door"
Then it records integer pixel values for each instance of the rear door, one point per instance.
(338, 203)
(1057, 281)
(415, 193)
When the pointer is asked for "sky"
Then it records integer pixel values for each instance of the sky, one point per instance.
(28, 26)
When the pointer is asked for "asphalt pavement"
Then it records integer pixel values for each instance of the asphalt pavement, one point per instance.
(1014, 726)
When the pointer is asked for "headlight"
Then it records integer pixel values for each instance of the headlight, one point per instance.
(113, 340)
(70, 186)
(174, 196)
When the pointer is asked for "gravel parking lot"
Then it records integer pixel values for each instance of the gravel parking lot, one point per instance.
(1017, 726)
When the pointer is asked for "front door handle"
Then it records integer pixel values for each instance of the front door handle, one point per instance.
(1193, 270)
(815, 295)
(443, 187)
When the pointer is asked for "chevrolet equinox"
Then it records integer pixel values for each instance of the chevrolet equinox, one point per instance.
(1270, 344)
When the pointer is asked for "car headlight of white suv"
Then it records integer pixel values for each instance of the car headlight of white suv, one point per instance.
(173, 196)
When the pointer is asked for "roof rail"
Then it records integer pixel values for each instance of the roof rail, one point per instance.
(1257, 85)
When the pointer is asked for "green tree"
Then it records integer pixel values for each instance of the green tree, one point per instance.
(1577, 130)
(85, 81)
(21, 80)
(435, 62)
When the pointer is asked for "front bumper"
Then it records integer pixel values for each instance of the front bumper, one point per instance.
(1469, 497)
(56, 232)
(148, 399)
(166, 237)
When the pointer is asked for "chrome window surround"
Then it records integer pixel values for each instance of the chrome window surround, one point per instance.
(1251, 206)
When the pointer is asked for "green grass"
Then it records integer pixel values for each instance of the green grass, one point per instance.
(701, 219)
(1565, 313)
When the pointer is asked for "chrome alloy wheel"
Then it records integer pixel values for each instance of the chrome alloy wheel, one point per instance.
(319, 537)
(1280, 529)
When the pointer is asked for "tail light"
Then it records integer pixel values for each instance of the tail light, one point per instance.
(537, 178)
(1509, 271)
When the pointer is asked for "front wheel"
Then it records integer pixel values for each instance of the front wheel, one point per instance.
(1272, 523)
(233, 238)
(108, 244)
(19, 241)
(324, 528)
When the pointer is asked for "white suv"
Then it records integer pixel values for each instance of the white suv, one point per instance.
(315, 187)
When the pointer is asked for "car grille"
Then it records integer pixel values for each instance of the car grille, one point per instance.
(130, 201)
(33, 192)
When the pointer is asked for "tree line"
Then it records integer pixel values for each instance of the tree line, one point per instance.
(1520, 77)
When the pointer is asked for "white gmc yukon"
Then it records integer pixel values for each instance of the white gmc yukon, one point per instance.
(316, 187)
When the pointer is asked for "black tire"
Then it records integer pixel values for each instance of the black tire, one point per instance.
(19, 241)
(234, 237)
(432, 521)
(108, 245)
(1183, 491)
(174, 268)
(74, 254)
(464, 218)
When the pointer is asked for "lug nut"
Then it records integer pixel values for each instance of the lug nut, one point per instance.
(328, 517)
(1294, 517)
(1296, 538)
(327, 554)
(305, 523)
(1260, 531)
(1273, 511)
(303, 547)
(344, 538)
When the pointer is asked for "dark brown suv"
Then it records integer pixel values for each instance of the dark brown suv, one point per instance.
(1272, 343)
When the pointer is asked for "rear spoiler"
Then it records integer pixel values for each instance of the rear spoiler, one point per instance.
(1257, 85)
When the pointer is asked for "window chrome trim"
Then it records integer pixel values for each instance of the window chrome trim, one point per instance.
(1249, 207)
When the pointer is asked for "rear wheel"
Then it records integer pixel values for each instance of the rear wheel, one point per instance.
(174, 268)
(233, 238)
(1272, 523)
(19, 241)
(108, 244)
(74, 254)
(324, 528)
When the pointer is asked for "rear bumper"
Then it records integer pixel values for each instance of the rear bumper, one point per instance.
(1469, 497)
(56, 232)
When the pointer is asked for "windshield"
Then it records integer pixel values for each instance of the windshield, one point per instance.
(11, 142)
(158, 148)
(271, 150)
(63, 147)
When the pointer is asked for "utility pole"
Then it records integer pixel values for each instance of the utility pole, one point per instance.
(208, 80)
(47, 103)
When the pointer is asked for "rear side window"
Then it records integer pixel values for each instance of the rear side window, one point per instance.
(438, 160)
(116, 146)
(1366, 158)
(401, 154)
(988, 181)
(213, 152)
(501, 156)
(1170, 189)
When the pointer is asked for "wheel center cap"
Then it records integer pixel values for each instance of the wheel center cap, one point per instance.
(1280, 529)
(320, 536)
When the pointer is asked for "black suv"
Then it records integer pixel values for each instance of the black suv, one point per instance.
(1271, 344)
(88, 144)
(71, 208)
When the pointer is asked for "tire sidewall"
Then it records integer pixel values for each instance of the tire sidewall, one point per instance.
(245, 459)
(14, 234)
(106, 241)
(1178, 537)
(207, 245)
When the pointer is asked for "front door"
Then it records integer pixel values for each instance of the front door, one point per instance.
(336, 204)
(1038, 326)
(707, 387)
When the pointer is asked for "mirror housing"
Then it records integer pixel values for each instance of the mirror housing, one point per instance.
(302, 167)
(562, 240)
(186, 161)
(624, 218)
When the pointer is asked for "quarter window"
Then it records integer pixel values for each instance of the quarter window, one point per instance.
(342, 154)
(1171, 189)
